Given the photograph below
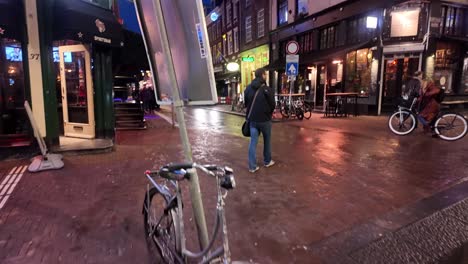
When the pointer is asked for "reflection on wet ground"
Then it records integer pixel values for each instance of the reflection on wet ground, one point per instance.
(331, 174)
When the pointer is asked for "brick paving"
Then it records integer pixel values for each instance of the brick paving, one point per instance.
(331, 175)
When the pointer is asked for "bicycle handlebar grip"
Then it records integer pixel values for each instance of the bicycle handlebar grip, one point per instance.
(178, 166)
(171, 175)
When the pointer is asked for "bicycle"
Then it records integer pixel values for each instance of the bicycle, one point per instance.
(404, 121)
(238, 105)
(163, 213)
(295, 109)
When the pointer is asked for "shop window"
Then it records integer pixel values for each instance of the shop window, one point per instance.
(261, 23)
(328, 38)
(358, 71)
(228, 13)
(236, 39)
(282, 12)
(248, 29)
(12, 96)
(107, 4)
(307, 44)
(445, 66)
(452, 20)
(302, 7)
(464, 80)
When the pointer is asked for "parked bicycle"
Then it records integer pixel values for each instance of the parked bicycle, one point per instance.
(293, 109)
(163, 214)
(447, 125)
(238, 105)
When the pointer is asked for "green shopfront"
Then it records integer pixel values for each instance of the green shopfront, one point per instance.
(14, 88)
(79, 36)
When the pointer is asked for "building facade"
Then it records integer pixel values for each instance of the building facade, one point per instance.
(61, 62)
(238, 33)
(370, 47)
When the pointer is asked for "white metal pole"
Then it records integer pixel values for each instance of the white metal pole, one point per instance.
(197, 204)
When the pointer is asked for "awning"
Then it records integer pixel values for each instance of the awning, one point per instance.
(81, 21)
(12, 19)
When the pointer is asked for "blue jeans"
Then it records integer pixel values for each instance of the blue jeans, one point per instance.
(255, 129)
(423, 121)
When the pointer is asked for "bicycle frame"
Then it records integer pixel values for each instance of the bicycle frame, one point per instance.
(179, 222)
(410, 109)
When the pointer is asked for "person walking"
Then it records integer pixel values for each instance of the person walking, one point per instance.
(260, 102)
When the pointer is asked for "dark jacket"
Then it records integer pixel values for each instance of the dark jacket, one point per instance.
(413, 86)
(264, 105)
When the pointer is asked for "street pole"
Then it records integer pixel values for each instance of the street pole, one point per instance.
(195, 193)
(291, 87)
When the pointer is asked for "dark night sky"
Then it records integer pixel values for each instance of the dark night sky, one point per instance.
(127, 12)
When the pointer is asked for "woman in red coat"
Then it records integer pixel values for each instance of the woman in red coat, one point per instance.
(428, 106)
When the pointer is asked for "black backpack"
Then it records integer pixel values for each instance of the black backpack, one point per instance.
(440, 96)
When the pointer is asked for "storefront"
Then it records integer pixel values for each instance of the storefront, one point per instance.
(14, 90)
(349, 69)
(252, 60)
(448, 67)
(227, 77)
(84, 34)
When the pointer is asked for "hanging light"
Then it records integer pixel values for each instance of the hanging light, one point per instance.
(232, 66)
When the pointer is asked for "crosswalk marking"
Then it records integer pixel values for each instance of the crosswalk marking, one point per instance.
(9, 183)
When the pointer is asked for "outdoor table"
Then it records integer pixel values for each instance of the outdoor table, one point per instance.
(334, 109)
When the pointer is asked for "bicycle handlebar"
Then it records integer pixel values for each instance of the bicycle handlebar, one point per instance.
(178, 171)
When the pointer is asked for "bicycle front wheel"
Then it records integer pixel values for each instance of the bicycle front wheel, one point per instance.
(307, 112)
(284, 111)
(402, 122)
(159, 228)
(451, 127)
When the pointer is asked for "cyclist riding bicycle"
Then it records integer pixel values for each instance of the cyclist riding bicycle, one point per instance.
(429, 98)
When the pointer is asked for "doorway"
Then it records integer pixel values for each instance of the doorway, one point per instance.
(77, 91)
(321, 86)
(397, 72)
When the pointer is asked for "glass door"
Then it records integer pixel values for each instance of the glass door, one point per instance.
(397, 73)
(77, 91)
(321, 86)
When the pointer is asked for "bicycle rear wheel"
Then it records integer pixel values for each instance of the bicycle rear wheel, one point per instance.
(159, 227)
(451, 126)
(402, 124)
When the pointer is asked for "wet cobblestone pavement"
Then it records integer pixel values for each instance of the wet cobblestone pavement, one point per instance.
(342, 190)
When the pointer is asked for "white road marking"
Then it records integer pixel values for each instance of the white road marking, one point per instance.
(9, 183)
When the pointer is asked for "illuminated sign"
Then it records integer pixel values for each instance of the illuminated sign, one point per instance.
(248, 59)
(405, 23)
(214, 16)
